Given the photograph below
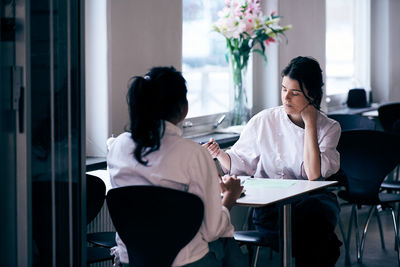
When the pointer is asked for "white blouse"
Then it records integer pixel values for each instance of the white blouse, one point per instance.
(272, 146)
(180, 164)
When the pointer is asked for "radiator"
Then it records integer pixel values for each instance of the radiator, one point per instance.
(102, 223)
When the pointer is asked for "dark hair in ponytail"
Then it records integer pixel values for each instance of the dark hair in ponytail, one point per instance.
(308, 73)
(152, 99)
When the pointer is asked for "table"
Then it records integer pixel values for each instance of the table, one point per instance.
(347, 110)
(372, 113)
(261, 192)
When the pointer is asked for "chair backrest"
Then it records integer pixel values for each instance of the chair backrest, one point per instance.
(95, 196)
(389, 115)
(155, 223)
(353, 122)
(367, 157)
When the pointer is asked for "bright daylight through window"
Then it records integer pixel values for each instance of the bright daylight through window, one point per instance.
(347, 45)
(203, 65)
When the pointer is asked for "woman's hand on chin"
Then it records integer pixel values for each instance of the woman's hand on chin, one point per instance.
(309, 114)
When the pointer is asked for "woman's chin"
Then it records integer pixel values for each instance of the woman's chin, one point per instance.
(290, 110)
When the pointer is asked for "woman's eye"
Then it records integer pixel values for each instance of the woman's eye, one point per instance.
(295, 94)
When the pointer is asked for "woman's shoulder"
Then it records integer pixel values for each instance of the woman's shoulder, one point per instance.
(188, 144)
(186, 151)
(327, 123)
(269, 113)
(122, 140)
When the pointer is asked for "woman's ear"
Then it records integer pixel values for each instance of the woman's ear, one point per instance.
(183, 111)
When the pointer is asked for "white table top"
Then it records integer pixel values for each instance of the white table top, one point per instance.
(372, 113)
(260, 191)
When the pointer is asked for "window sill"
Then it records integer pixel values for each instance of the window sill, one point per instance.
(95, 163)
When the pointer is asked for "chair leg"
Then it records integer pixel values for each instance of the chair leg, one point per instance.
(345, 240)
(396, 244)
(364, 235)
(357, 232)
(378, 217)
(256, 257)
(250, 250)
(396, 233)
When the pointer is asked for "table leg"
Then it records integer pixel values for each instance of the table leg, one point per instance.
(287, 236)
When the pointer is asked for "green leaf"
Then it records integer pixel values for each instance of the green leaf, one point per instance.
(262, 54)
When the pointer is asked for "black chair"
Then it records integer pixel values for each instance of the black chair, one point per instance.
(252, 238)
(367, 157)
(95, 196)
(353, 122)
(388, 115)
(389, 118)
(97, 254)
(349, 122)
(155, 223)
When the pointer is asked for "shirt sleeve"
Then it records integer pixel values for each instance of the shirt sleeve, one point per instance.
(205, 184)
(330, 157)
(245, 153)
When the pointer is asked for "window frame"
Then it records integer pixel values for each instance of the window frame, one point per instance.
(362, 55)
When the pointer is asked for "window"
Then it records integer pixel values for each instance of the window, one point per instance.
(347, 45)
(204, 66)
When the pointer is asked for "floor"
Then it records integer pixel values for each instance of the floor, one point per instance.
(374, 255)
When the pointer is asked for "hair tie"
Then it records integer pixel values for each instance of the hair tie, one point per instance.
(147, 77)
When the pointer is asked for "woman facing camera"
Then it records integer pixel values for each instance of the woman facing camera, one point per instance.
(154, 152)
(293, 141)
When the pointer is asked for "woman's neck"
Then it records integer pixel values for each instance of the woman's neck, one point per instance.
(297, 119)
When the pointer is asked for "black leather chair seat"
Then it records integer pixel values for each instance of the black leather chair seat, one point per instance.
(102, 239)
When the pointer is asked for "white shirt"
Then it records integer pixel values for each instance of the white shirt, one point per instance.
(180, 164)
(272, 146)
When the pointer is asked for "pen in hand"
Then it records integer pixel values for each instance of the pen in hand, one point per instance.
(212, 147)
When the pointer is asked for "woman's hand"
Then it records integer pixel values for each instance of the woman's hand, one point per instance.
(213, 148)
(216, 152)
(231, 190)
(309, 114)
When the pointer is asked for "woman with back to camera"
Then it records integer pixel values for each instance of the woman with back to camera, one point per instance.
(153, 152)
(293, 141)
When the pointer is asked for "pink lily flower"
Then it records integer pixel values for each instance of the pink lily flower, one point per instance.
(269, 40)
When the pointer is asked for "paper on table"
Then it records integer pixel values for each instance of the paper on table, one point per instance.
(261, 182)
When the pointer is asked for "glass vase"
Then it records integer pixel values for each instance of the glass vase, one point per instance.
(239, 104)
